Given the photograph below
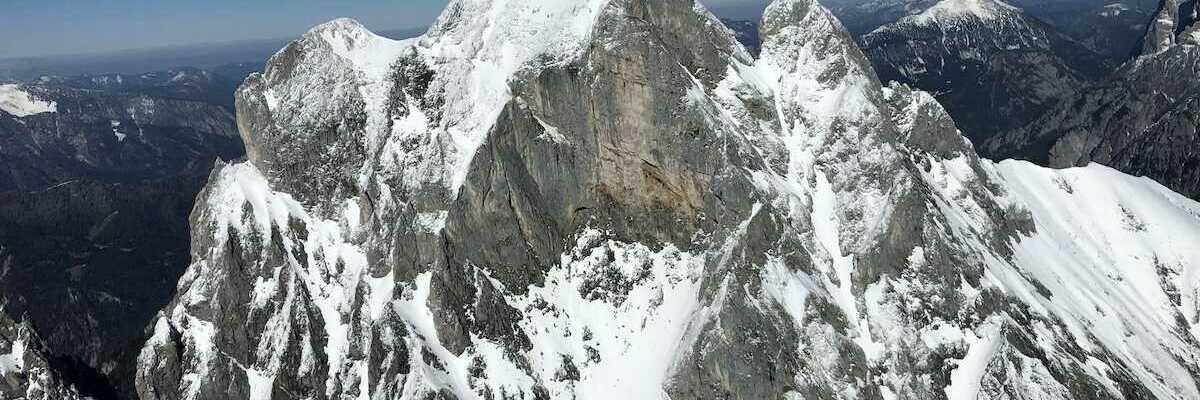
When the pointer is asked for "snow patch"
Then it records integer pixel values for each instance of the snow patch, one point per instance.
(21, 104)
(260, 383)
(968, 372)
(949, 10)
(14, 361)
(430, 222)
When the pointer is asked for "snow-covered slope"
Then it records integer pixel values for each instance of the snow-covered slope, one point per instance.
(611, 198)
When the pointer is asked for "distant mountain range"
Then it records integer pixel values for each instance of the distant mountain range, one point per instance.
(992, 65)
(1108, 27)
(131, 62)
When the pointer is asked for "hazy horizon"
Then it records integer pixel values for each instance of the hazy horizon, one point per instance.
(63, 28)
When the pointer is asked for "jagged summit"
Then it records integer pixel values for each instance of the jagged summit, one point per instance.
(1160, 33)
(464, 66)
(1172, 24)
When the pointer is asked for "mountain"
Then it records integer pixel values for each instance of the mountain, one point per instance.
(990, 64)
(97, 177)
(613, 198)
(1105, 27)
(1141, 121)
(98, 174)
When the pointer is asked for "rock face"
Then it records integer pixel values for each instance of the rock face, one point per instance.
(613, 198)
(1160, 32)
(1142, 121)
(994, 67)
(95, 188)
(26, 371)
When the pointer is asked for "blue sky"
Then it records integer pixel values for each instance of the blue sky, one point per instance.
(48, 27)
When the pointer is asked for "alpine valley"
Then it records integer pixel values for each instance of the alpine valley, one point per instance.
(594, 199)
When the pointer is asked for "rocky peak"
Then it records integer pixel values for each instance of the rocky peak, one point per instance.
(1139, 120)
(1160, 33)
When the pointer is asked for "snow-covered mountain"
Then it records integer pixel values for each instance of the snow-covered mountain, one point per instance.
(993, 66)
(1143, 120)
(614, 199)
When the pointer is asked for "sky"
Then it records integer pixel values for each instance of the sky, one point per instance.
(56, 27)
